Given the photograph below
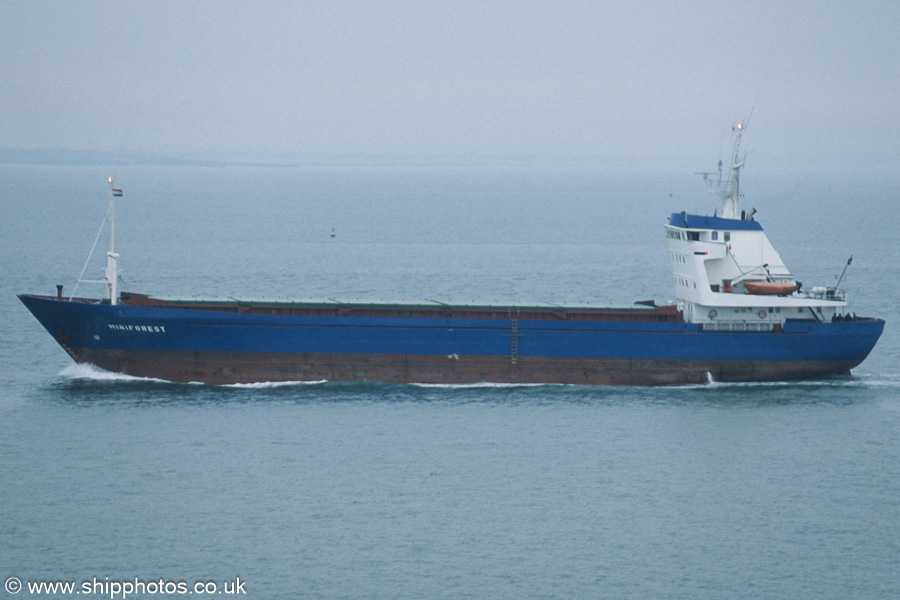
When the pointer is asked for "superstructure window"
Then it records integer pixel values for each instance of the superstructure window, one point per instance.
(693, 236)
(727, 236)
(715, 235)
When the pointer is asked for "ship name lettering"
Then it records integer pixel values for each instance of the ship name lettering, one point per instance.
(140, 328)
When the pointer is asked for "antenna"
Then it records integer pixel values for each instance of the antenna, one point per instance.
(118, 155)
(849, 260)
(758, 94)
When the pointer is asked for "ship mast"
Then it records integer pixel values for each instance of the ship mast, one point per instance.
(112, 257)
(728, 189)
(111, 273)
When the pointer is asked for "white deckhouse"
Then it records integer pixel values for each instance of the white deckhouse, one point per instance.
(726, 273)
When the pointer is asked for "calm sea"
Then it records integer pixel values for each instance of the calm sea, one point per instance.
(335, 490)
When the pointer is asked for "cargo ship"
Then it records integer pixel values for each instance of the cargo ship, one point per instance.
(739, 316)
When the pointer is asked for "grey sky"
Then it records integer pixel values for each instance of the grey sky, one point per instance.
(618, 79)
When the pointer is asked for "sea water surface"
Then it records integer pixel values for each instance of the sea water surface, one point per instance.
(364, 490)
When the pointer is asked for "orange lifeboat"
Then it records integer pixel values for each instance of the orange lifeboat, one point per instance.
(768, 288)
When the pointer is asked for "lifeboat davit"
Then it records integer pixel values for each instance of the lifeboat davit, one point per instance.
(768, 288)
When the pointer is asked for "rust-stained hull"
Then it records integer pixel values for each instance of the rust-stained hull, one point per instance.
(220, 368)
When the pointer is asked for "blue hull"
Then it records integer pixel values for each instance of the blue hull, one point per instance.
(218, 346)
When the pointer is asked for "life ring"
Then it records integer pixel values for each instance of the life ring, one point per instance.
(712, 314)
(761, 314)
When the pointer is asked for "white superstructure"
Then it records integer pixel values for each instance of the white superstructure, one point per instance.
(716, 259)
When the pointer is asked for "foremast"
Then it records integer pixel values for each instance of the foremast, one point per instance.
(111, 272)
(112, 257)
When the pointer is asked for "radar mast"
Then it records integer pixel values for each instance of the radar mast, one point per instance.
(727, 187)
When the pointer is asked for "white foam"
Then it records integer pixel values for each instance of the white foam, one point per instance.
(89, 372)
(481, 384)
(849, 382)
(262, 385)
(86, 371)
(878, 379)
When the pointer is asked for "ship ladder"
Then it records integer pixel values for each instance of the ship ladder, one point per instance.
(514, 338)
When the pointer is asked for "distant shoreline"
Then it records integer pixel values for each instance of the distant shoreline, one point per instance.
(69, 157)
(808, 164)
